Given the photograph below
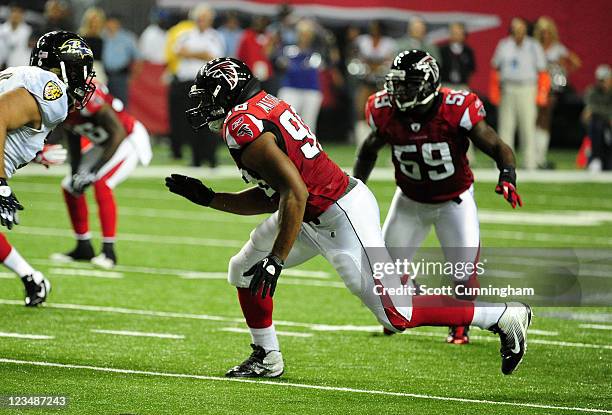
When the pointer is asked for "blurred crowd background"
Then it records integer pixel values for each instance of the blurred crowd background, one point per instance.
(148, 55)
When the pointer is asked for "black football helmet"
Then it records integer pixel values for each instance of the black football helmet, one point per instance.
(219, 86)
(414, 79)
(68, 56)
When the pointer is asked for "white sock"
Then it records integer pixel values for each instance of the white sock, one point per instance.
(15, 262)
(487, 314)
(83, 236)
(265, 338)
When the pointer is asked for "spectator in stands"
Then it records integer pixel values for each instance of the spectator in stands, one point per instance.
(15, 36)
(416, 39)
(598, 117)
(300, 84)
(153, 37)
(92, 27)
(284, 26)
(177, 90)
(255, 48)
(560, 62)
(375, 52)
(194, 48)
(58, 16)
(231, 31)
(457, 58)
(519, 65)
(120, 56)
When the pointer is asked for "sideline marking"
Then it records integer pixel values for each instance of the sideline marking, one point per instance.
(303, 386)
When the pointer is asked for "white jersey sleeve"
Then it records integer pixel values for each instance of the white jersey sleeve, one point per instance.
(46, 88)
(23, 143)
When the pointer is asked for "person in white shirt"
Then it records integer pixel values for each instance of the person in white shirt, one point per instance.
(152, 39)
(34, 100)
(194, 48)
(15, 38)
(520, 62)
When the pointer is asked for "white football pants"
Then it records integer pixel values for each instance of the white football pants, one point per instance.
(456, 224)
(344, 230)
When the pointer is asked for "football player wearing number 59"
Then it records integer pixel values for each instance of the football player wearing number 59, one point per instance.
(316, 210)
(429, 129)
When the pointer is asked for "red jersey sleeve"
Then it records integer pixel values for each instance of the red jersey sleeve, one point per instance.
(242, 129)
(376, 109)
(472, 112)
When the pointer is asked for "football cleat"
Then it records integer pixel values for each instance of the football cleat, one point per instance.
(103, 261)
(512, 329)
(458, 335)
(83, 252)
(259, 365)
(35, 293)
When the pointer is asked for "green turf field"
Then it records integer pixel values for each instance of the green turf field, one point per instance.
(171, 281)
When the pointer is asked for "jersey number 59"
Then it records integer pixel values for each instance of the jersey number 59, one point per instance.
(412, 169)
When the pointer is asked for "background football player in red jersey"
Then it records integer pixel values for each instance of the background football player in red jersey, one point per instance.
(429, 129)
(318, 210)
(105, 145)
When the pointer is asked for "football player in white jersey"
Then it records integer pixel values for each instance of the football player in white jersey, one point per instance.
(33, 101)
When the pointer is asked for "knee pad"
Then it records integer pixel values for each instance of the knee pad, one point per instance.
(235, 269)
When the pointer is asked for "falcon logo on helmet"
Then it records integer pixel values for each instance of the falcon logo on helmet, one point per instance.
(413, 80)
(226, 70)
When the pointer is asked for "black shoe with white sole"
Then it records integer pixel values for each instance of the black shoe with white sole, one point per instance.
(512, 329)
(259, 365)
(35, 293)
(82, 252)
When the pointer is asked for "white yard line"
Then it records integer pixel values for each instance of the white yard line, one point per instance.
(303, 386)
(7, 276)
(139, 237)
(569, 239)
(380, 173)
(279, 332)
(596, 326)
(26, 336)
(312, 326)
(74, 272)
(139, 334)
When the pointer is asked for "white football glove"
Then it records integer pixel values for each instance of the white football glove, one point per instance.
(51, 155)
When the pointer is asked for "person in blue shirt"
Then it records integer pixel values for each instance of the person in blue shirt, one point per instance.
(300, 85)
(120, 56)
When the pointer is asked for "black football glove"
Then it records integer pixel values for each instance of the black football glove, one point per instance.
(507, 186)
(190, 188)
(9, 205)
(81, 181)
(267, 272)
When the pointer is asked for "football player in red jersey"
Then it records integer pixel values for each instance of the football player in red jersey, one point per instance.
(106, 144)
(316, 210)
(429, 129)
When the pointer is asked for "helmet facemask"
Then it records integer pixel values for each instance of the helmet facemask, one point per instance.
(80, 86)
(207, 112)
(408, 92)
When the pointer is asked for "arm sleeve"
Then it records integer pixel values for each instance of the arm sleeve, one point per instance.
(49, 93)
(496, 59)
(540, 58)
(369, 113)
(473, 112)
(242, 129)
